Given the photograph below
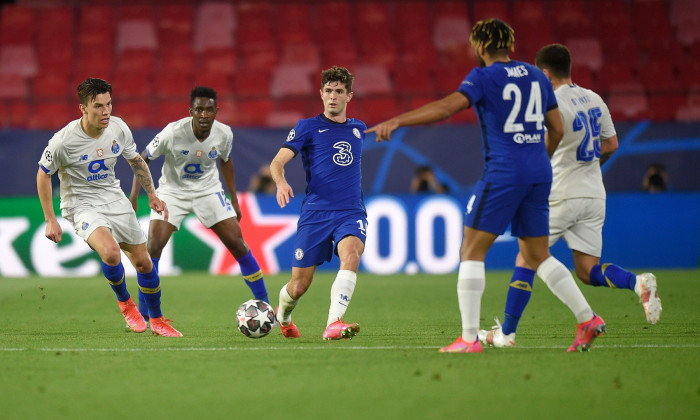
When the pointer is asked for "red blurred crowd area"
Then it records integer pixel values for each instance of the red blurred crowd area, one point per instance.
(264, 58)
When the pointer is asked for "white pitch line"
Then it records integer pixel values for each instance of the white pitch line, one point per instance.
(258, 348)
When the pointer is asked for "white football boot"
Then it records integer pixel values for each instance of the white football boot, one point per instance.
(495, 337)
(649, 296)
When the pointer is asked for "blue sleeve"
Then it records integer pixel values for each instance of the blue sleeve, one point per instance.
(472, 87)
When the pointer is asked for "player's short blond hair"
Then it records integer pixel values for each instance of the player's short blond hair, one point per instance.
(492, 34)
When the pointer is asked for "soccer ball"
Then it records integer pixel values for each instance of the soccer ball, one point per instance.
(255, 318)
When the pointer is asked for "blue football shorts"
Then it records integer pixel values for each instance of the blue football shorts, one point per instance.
(492, 207)
(318, 233)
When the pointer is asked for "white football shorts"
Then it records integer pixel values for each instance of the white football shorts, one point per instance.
(118, 217)
(580, 222)
(209, 209)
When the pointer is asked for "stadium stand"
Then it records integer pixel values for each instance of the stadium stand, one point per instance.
(402, 51)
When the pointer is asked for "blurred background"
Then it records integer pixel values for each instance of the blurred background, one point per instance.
(264, 59)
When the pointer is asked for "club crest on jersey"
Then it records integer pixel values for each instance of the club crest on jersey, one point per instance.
(198, 153)
(291, 135)
(213, 153)
(299, 254)
(100, 152)
(115, 147)
(356, 132)
(85, 226)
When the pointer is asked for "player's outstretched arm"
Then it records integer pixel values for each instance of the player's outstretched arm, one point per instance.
(143, 176)
(136, 185)
(284, 191)
(435, 111)
(43, 186)
(229, 175)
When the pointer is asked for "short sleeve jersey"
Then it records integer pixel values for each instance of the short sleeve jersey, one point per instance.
(190, 169)
(331, 154)
(85, 165)
(511, 100)
(576, 162)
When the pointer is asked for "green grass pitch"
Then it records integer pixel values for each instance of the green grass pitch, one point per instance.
(64, 353)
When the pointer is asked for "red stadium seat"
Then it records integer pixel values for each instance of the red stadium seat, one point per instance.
(17, 25)
(253, 112)
(586, 52)
(569, 18)
(628, 102)
(136, 61)
(375, 109)
(218, 61)
(251, 83)
(136, 34)
(450, 8)
(175, 25)
(215, 26)
(131, 86)
(175, 59)
(13, 86)
(664, 107)
(18, 59)
(51, 115)
(136, 114)
(51, 85)
(173, 86)
(484, 9)
(343, 55)
(658, 76)
(295, 18)
(283, 119)
(371, 79)
(583, 76)
(135, 11)
(290, 80)
(615, 73)
(413, 80)
(169, 111)
(220, 82)
(301, 54)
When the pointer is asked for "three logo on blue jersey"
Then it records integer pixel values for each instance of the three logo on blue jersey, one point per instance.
(344, 155)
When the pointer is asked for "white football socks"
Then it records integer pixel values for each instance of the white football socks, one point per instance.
(560, 281)
(341, 293)
(287, 304)
(471, 282)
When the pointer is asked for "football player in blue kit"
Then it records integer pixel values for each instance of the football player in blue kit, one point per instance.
(333, 216)
(514, 102)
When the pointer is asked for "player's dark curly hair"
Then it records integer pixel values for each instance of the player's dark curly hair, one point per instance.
(492, 34)
(202, 92)
(556, 58)
(337, 74)
(90, 88)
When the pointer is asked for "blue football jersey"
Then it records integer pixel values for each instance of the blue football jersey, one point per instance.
(511, 100)
(331, 154)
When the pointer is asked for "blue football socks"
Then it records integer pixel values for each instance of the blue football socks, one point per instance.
(253, 276)
(611, 275)
(143, 306)
(519, 294)
(149, 288)
(115, 277)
